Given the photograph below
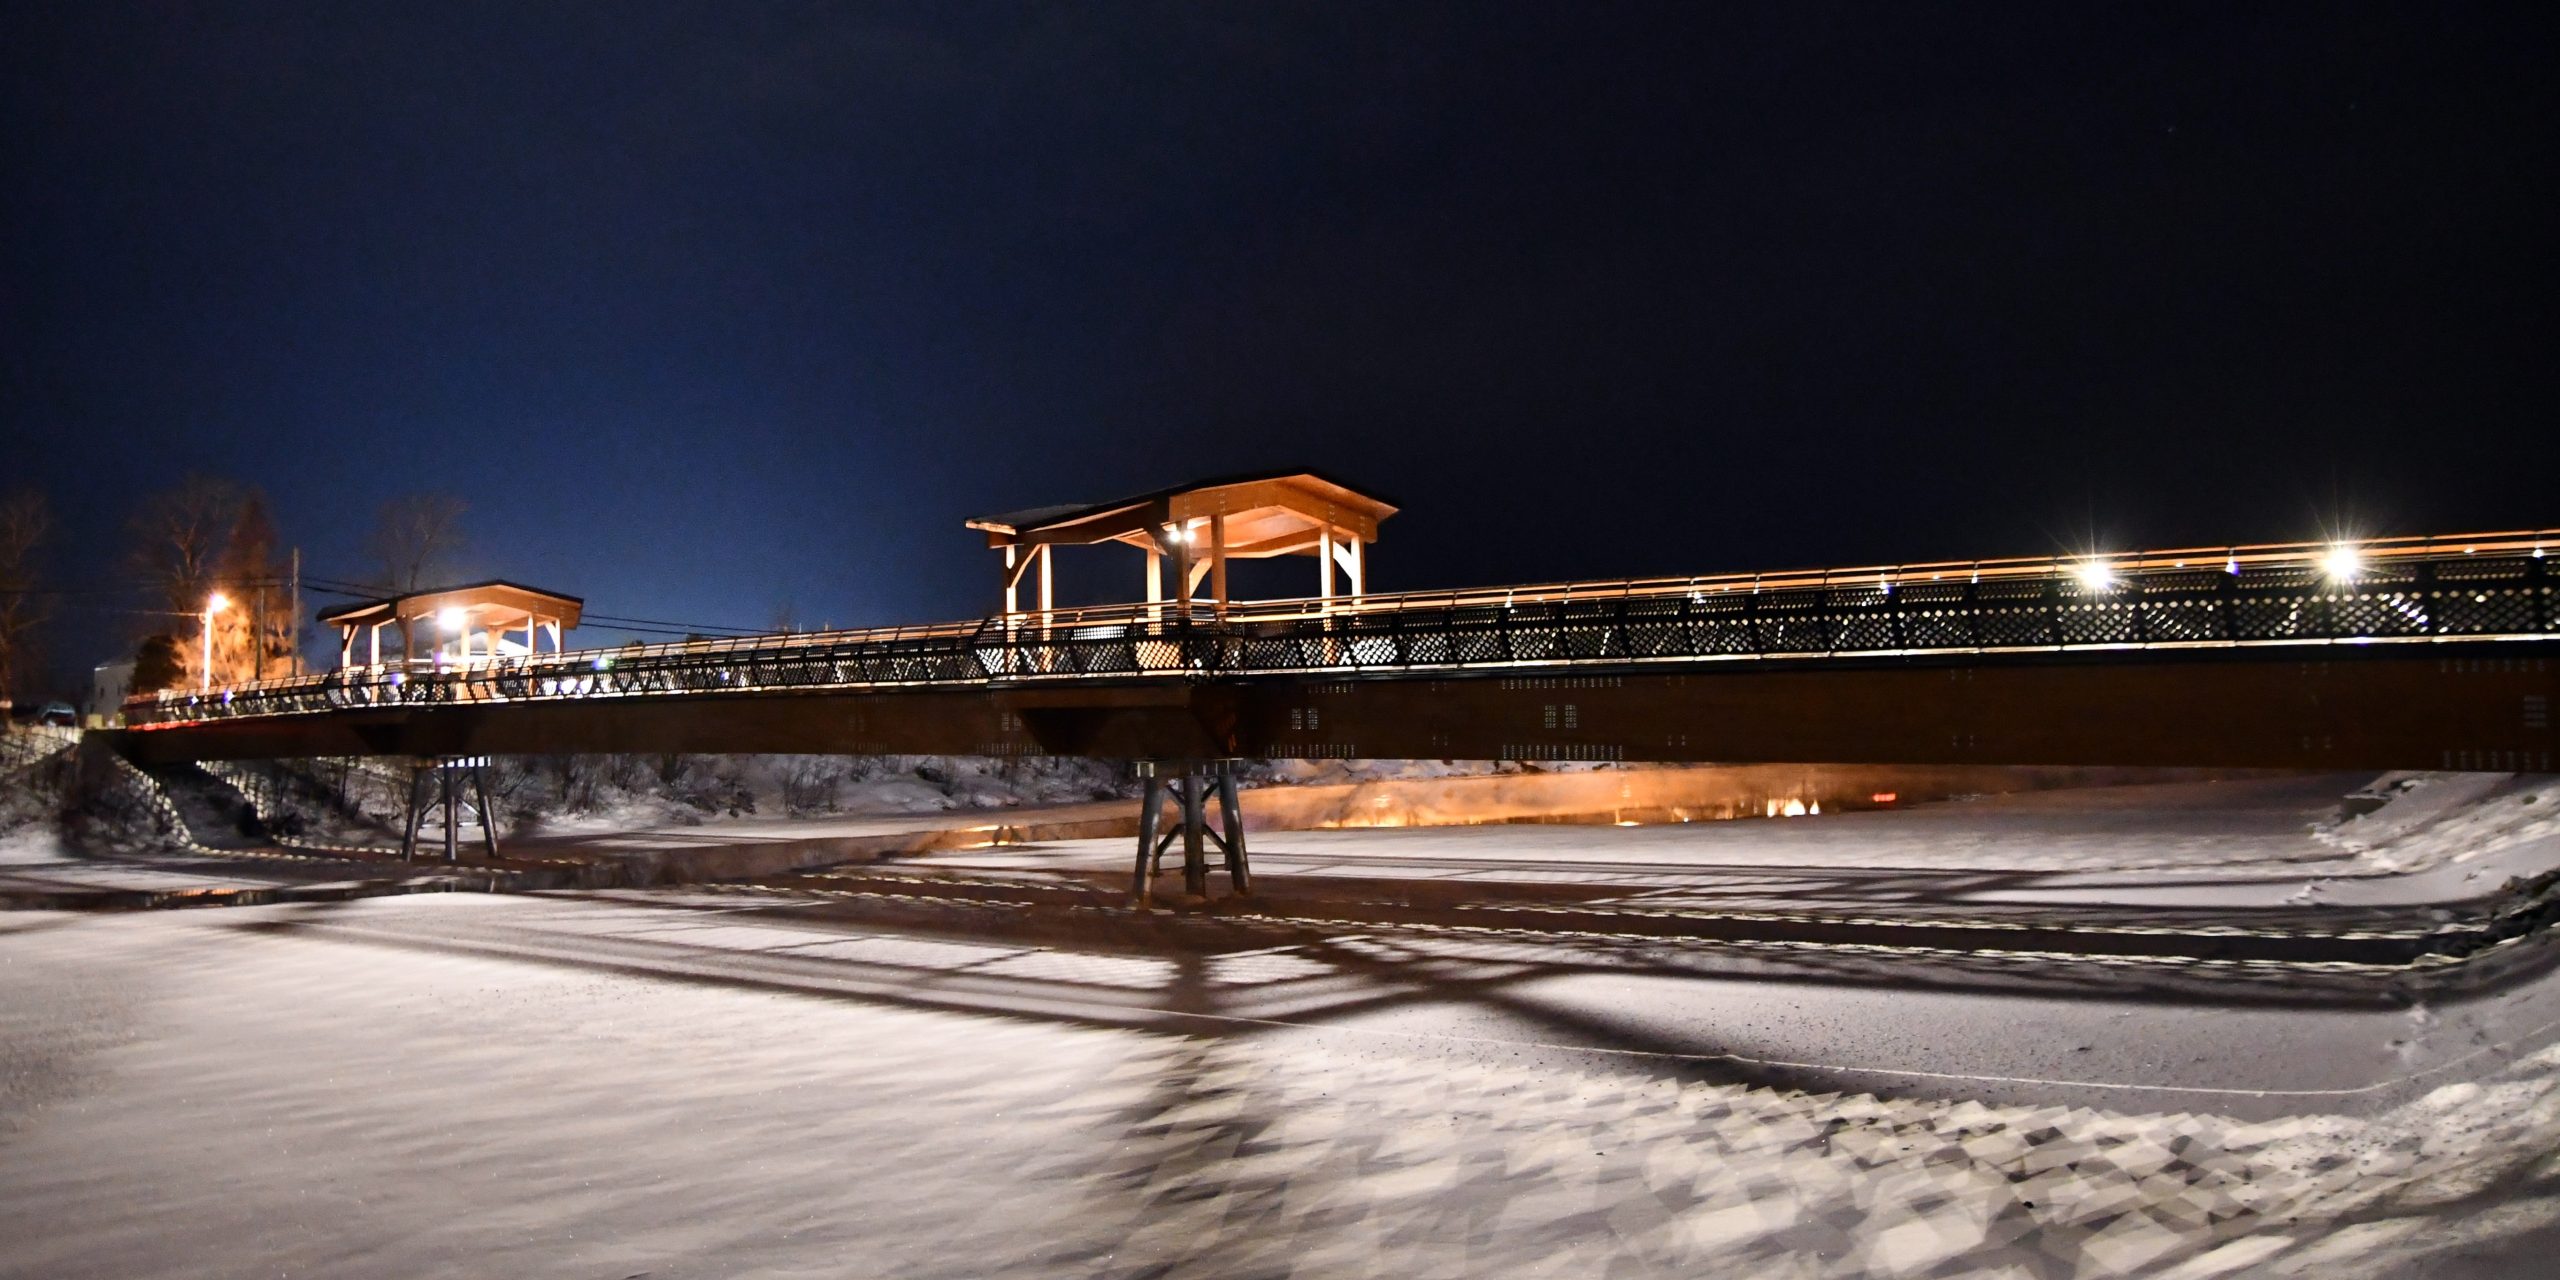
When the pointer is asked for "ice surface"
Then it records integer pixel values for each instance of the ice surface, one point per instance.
(427, 1088)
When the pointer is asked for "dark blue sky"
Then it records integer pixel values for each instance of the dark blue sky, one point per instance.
(708, 307)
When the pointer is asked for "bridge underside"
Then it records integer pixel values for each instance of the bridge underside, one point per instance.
(2430, 706)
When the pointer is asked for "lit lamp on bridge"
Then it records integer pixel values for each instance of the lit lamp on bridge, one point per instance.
(213, 604)
(2096, 575)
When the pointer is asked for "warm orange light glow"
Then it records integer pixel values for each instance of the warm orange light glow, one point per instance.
(1885, 797)
(217, 603)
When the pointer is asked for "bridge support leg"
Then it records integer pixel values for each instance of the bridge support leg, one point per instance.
(417, 811)
(1150, 813)
(1192, 784)
(1195, 862)
(1231, 816)
(450, 787)
(452, 813)
(488, 816)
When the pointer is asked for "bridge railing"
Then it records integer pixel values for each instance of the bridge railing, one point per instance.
(2485, 586)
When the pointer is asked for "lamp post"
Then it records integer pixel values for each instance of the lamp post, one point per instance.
(213, 604)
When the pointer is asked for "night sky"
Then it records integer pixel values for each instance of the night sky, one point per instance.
(709, 308)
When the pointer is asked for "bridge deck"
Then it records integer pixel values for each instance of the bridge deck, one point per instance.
(2491, 587)
(2427, 654)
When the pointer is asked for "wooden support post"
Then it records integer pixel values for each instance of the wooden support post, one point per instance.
(1048, 588)
(1218, 561)
(1359, 569)
(1324, 564)
(1155, 576)
(1182, 578)
(1012, 578)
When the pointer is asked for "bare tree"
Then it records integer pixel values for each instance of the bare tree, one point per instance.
(178, 538)
(415, 538)
(25, 521)
(253, 637)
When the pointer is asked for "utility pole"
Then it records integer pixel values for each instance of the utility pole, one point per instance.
(294, 630)
(258, 627)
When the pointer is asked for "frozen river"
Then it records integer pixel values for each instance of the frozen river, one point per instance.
(695, 1083)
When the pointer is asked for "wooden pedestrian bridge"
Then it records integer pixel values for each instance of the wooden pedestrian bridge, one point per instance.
(2438, 652)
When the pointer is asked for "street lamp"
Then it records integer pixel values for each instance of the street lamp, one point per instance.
(213, 604)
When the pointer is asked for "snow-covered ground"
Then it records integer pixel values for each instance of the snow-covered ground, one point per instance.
(698, 1083)
(474, 1086)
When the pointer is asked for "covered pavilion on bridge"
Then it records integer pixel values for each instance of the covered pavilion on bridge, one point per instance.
(1195, 529)
(468, 625)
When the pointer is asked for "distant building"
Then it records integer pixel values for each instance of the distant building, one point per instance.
(108, 687)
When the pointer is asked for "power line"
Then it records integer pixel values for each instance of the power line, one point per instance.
(340, 586)
(368, 591)
(661, 622)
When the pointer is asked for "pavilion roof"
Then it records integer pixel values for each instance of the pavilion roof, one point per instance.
(1266, 513)
(484, 602)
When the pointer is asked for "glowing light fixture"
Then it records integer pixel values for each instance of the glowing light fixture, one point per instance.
(2342, 563)
(2096, 575)
(213, 604)
(451, 618)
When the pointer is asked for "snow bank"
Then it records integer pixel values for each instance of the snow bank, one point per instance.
(2433, 819)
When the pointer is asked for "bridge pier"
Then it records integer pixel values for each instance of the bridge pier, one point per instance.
(1191, 784)
(453, 784)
